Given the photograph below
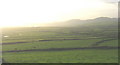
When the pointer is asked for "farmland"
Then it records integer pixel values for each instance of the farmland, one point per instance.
(59, 45)
(59, 32)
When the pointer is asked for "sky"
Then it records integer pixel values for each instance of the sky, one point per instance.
(31, 12)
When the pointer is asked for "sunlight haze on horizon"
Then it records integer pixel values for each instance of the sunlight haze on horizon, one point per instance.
(32, 12)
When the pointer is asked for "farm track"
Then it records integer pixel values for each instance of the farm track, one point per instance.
(95, 44)
(65, 49)
(39, 41)
(13, 43)
(99, 42)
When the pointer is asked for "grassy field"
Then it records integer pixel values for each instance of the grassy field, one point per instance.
(50, 44)
(60, 45)
(76, 56)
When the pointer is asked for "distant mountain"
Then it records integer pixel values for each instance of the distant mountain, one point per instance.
(97, 22)
(102, 22)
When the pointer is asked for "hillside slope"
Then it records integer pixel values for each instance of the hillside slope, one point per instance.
(97, 22)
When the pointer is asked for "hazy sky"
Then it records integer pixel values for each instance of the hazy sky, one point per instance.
(26, 12)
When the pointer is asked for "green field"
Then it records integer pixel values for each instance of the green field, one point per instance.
(60, 45)
(76, 56)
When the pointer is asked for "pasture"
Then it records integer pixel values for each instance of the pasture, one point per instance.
(60, 45)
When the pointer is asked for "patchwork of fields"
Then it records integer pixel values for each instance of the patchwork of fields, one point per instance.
(59, 45)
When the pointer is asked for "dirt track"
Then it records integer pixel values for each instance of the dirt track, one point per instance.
(65, 49)
(13, 43)
(95, 44)
(39, 41)
(99, 42)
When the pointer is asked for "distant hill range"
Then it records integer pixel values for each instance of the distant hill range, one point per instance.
(97, 22)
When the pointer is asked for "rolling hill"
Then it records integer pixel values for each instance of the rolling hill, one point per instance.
(97, 22)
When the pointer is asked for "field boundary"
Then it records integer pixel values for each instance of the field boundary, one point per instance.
(65, 49)
(99, 42)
